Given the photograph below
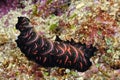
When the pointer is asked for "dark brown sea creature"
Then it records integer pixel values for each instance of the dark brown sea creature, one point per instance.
(66, 54)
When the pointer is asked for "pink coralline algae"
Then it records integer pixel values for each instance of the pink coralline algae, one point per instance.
(7, 5)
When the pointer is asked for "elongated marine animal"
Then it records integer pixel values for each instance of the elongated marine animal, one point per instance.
(65, 54)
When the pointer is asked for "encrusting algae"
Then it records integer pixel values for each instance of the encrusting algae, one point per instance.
(95, 22)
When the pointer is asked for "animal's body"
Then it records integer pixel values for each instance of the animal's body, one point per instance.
(45, 52)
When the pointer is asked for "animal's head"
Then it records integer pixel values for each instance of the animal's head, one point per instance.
(23, 23)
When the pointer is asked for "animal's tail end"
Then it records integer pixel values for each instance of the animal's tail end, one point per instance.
(90, 51)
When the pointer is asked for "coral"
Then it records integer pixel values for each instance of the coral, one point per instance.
(47, 7)
(98, 29)
(80, 20)
(3, 38)
(7, 5)
(118, 15)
